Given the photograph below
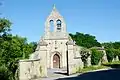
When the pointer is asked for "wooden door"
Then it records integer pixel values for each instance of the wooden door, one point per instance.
(56, 61)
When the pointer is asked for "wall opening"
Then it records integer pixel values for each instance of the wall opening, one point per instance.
(58, 25)
(51, 25)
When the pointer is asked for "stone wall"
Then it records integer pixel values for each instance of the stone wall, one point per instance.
(75, 66)
(30, 69)
(74, 62)
(58, 46)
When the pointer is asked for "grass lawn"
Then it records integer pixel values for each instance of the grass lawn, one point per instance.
(112, 63)
(91, 68)
(115, 64)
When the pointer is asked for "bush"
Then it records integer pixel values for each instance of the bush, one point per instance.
(4, 75)
(8, 71)
(85, 53)
(110, 54)
(96, 56)
(118, 54)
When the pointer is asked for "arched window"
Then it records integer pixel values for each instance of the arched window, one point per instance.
(51, 25)
(58, 25)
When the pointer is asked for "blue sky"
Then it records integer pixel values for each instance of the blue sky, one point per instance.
(100, 18)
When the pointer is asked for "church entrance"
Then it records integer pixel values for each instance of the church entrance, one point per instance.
(56, 61)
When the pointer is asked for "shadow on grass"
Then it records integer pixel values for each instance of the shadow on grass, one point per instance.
(112, 65)
(113, 74)
(60, 73)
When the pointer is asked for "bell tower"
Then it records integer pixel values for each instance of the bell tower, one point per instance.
(54, 24)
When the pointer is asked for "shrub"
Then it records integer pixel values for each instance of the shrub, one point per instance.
(118, 54)
(4, 75)
(96, 56)
(110, 54)
(85, 53)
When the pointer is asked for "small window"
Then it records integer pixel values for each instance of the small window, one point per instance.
(55, 42)
(58, 25)
(55, 47)
(51, 25)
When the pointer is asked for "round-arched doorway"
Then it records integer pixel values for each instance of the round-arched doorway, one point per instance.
(56, 61)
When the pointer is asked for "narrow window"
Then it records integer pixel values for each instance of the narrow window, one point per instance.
(51, 25)
(58, 25)
(55, 42)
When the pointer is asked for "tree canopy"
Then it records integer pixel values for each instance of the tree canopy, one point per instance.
(85, 40)
(12, 48)
(5, 25)
(115, 45)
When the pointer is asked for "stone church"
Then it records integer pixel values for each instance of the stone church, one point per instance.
(55, 49)
(56, 38)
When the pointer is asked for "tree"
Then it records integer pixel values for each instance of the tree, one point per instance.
(110, 54)
(4, 25)
(112, 50)
(85, 40)
(118, 53)
(115, 45)
(96, 56)
(12, 48)
(34, 45)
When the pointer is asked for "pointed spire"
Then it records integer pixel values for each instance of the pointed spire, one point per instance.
(54, 6)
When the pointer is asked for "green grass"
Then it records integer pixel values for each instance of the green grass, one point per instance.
(91, 68)
(112, 63)
(115, 64)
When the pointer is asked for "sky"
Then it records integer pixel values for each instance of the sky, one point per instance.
(100, 18)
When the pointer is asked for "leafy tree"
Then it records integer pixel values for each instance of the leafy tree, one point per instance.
(107, 45)
(85, 40)
(12, 48)
(115, 45)
(118, 53)
(4, 74)
(96, 56)
(112, 50)
(34, 45)
(4, 25)
(110, 54)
